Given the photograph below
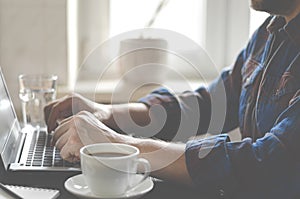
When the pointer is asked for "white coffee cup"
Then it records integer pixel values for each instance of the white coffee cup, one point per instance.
(110, 169)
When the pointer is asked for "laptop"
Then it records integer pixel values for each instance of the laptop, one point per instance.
(26, 149)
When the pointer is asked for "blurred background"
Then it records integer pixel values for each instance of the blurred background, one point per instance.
(55, 36)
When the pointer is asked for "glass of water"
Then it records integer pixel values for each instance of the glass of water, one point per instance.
(36, 90)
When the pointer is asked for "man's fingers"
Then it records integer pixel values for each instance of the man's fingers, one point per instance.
(47, 110)
(70, 152)
(61, 130)
(51, 122)
(58, 112)
(65, 120)
(61, 142)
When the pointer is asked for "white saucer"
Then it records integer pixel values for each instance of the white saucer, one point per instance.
(77, 186)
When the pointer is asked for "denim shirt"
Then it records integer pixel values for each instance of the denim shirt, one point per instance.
(262, 99)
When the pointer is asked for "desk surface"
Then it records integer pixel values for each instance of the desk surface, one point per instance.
(161, 190)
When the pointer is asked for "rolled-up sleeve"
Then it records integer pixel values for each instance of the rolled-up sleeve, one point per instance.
(213, 109)
(209, 165)
(268, 167)
(183, 112)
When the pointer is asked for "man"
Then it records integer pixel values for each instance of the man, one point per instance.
(263, 100)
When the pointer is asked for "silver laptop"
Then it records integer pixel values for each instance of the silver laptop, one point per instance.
(27, 148)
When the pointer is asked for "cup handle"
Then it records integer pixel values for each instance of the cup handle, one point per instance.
(146, 166)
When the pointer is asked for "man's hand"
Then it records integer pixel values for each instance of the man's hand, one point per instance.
(66, 107)
(79, 130)
(84, 128)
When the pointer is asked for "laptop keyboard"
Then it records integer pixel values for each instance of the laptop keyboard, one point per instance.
(42, 154)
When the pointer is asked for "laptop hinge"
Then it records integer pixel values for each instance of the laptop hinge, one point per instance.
(9, 150)
(20, 148)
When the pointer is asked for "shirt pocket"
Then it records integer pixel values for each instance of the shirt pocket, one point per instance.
(249, 72)
(287, 87)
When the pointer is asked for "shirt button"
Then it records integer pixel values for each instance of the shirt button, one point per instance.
(248, 80)
(222, 193)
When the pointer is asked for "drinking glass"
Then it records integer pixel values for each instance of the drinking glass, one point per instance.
(36, 90)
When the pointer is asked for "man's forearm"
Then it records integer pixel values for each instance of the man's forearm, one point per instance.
(167, 160)
(122, 115)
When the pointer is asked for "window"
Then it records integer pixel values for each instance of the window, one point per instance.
(177, 15)
(213, 24)
(256, 19)
(184, 17)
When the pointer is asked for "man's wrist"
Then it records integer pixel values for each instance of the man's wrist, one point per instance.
(103, 113)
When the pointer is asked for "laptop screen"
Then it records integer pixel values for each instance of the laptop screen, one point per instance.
(7, 114)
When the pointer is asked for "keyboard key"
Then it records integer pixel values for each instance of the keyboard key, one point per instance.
(42, 153)
(36, 163)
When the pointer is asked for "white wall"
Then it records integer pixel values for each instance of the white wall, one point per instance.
(93, 25)
(227, 29)
(92, 30)
(32, 40)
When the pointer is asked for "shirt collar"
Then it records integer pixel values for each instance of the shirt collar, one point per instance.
(292, 28)
(275, 24)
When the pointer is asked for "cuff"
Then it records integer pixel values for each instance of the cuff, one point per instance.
(172, 108)
(209, 165)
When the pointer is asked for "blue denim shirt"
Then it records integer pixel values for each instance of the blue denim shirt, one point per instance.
(262, 99)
